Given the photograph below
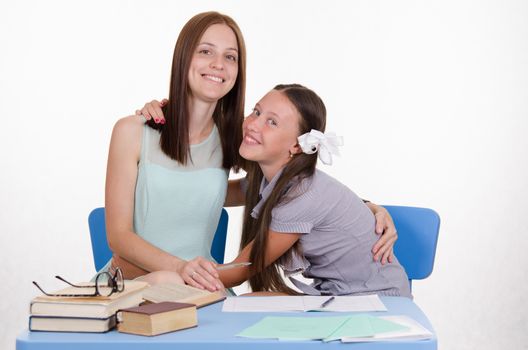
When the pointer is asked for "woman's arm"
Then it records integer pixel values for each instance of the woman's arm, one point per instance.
(121, 175)
(133, 253)
(383, 249)
(278, 244)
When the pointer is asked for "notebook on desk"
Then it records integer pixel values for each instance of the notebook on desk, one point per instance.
(360, 303)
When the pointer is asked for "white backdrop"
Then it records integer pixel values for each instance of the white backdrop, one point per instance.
(432, 98)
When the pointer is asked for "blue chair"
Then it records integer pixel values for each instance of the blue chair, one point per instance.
(102, 253)
(219, 240)
(417, 237)
(100, 249)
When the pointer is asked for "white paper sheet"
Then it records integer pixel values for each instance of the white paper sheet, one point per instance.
(361, 303)
(415, 332)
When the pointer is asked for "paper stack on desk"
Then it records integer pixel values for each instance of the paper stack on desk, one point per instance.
(356, 328)
(414, 331)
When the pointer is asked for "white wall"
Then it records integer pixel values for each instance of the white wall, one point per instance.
(432, 98)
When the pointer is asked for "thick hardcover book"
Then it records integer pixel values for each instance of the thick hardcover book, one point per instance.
(158, 318)
(71, 324)
(182, 294)
(88, 307)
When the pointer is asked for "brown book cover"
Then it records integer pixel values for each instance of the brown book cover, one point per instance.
(158, 318)
(151, 309)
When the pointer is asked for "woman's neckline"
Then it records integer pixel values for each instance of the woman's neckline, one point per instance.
(206, 139)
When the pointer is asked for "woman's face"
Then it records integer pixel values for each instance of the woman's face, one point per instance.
(270, 132)
(214, 65)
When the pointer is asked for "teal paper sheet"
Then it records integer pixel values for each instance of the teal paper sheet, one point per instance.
(317, 328)
(298, 328)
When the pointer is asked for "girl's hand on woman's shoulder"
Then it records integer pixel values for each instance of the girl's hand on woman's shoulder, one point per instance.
(152, 110)
(383, 250)
(201, 273)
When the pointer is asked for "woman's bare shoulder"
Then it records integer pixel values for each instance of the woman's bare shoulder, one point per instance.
(130, 124)
(127, 133)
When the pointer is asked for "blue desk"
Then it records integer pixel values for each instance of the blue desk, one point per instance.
(216, 330)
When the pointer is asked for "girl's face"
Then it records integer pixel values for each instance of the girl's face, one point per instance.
(214, 65)
(270, 132)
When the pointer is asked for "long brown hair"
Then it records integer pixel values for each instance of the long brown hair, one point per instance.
(313, 116)
(229, 112)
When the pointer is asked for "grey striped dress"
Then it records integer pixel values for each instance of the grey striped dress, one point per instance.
(337, 237)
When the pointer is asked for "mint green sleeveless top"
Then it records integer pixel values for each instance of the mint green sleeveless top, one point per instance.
(177, 207)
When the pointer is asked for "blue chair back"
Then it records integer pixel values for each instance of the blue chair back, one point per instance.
(100, 249)
(219, 240)
(102, 253)
(417, 237)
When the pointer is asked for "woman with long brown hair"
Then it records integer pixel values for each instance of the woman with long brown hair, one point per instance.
(166, 183)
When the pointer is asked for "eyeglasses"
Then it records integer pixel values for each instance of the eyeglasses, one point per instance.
(105, 285)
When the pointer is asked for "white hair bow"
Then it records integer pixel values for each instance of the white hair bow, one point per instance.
(326, 144)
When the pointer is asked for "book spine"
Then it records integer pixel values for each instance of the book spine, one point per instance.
(111, 323)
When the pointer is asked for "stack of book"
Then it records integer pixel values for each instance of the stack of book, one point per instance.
(88, 314)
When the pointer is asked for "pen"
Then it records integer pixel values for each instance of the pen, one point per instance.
(327, 302)
(232, 266)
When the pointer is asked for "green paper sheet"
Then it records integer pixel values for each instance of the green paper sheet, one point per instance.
(299, 328)
(355, 326)
(316, 328)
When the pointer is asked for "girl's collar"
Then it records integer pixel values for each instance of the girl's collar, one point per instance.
(265, 190)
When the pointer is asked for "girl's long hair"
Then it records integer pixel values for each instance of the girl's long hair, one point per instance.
(229, 112)
(312, 113)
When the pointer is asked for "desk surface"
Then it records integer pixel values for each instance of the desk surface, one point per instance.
(217, 328)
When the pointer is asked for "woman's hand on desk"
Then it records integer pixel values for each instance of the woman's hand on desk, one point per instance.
(200, 273)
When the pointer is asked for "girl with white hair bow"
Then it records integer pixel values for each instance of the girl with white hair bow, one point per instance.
(297, 217)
